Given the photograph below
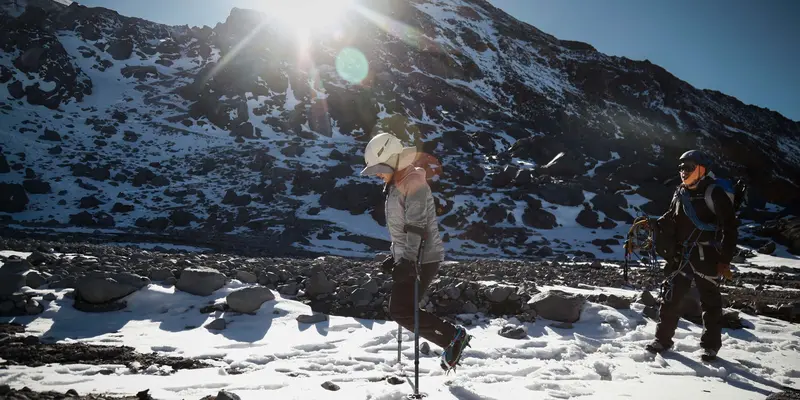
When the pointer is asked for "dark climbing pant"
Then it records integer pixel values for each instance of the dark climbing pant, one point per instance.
(401, 304)
(671, 310)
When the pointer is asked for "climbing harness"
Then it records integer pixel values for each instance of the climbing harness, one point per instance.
(642, 236)
(688, 246)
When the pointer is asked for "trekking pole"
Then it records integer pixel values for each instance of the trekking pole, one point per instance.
(421, 233)
(399, 342)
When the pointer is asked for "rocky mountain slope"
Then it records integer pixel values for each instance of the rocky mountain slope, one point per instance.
(244, 132)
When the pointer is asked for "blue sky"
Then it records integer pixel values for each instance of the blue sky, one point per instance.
(748, 49)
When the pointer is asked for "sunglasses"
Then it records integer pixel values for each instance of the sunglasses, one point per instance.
(687, 167)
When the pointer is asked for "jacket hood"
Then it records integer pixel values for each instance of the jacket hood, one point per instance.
(409, 172)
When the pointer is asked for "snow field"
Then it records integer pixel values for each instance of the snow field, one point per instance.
(272, 354)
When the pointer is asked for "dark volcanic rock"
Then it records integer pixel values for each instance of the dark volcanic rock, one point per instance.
(18, 351)
(548, 120)
(12, 198)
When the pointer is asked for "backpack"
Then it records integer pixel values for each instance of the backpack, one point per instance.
(734, 192)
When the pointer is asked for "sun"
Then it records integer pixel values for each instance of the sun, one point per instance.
(307, 16)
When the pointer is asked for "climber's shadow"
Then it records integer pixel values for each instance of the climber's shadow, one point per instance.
(711, 370)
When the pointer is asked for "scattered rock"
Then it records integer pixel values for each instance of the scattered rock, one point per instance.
(731, 320)
(786, 395)
(513, 332)
(11, 280)
(19, 350)
(217, 325)
(226, 395)
(106, 288)
(425, 348)
(249, 300)
(246, 277)
(319, 285)
(160, 274)
(394, 380)
(618, 302)
(201, 281)
(499, 294)
(311, 319)
(768, 248)
(647, 299)
(558, 305)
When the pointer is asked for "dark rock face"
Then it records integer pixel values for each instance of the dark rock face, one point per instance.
(549, 134)
(12, 198)
(43, 54)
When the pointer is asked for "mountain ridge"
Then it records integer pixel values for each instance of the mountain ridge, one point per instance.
(220, 130)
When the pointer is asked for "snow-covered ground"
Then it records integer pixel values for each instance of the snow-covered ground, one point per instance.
(602, 356)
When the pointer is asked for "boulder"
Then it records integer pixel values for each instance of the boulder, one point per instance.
(319, 285)
(12, 276)
(19, 304)
(11, 283)
(618, 302)
(246, 277)
(201, 281)
(36, 279)
(249, 300)
(498, 294)
(160, 274)
(13, 198)
(101, 288)
(558, 305)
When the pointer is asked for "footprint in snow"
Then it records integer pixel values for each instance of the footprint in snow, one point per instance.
(315, 347)
(344, 327)
(381, 340)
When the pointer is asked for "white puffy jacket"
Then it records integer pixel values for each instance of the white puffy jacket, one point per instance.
(410, 201)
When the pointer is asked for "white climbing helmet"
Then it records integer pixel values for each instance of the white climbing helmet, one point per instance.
(378, 152)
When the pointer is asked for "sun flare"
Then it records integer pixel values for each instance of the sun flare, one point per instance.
(307, 15)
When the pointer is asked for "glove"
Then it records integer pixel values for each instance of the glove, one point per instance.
(725, 270)
(388, 264)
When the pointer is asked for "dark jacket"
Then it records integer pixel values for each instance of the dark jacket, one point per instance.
(676, 227)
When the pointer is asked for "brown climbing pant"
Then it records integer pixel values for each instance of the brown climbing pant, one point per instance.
(401, 304)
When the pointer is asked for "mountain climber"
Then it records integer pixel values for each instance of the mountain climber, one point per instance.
(700, 231)
(409, 202)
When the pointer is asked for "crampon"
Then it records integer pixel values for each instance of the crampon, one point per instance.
(451, 356)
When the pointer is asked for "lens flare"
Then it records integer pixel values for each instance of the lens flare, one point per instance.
(352, 65)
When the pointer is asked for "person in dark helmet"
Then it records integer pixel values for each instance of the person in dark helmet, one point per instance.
(409, 201)
(698, 233)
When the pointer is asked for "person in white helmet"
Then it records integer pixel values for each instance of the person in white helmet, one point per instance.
(409, 202)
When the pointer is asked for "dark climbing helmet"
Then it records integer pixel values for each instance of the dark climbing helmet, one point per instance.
(697, 157)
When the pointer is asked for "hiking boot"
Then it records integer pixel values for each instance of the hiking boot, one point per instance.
(708, 355)
(656, 347)
(452, 354)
